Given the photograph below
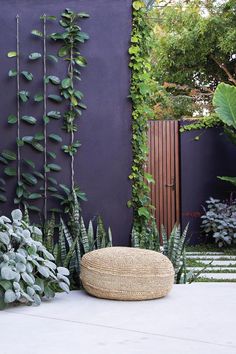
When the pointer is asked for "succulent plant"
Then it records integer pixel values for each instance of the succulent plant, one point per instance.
(27, 270)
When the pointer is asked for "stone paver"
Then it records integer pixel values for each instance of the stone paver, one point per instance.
(182, 323)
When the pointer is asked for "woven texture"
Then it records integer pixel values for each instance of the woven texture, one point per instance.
(123, 273)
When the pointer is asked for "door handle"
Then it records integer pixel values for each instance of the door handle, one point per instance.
(171, 185)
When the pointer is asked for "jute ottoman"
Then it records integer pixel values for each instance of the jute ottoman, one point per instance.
(123, 273)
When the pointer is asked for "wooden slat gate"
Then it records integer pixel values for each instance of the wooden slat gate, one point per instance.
(163, 164)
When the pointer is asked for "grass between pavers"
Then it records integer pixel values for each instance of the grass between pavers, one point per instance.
(211, 270)
(208, 247)
(211, 280)
(195, 262)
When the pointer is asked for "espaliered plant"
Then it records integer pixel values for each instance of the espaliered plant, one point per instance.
(139, 65)
(27, 175)
(71, 38)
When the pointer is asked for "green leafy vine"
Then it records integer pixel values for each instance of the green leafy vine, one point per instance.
(139, 64)
(71, 39)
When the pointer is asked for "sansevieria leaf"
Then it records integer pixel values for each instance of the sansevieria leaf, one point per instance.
(224, 101)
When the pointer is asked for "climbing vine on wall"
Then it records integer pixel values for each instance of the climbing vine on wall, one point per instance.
(139, 64)
(35, 181)
(70, 40)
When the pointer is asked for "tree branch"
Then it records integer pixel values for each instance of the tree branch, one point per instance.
(224, 68)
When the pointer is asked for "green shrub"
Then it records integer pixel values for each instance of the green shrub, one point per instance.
(27, 270)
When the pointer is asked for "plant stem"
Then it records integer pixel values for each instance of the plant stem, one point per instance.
(45, 112)
(18, 98)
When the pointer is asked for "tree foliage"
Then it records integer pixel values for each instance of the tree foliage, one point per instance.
(193, 49)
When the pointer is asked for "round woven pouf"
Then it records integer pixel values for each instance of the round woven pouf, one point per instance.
(123, 273)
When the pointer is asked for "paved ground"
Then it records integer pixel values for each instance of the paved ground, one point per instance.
(221, 267)
(193, 319)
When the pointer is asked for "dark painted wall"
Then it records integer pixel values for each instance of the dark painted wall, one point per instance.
(201, 161)
(104, 160)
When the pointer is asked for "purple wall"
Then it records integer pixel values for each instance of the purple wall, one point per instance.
(104, 160)
(201, 162)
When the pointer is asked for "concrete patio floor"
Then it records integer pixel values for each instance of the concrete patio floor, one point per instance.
(193, 319)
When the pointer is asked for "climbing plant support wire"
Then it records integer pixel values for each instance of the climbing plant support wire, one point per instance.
(18, 97)
(45, 111)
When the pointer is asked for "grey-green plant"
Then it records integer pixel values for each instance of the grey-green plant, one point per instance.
(219, 221)
(75, 240)
(27, 270)
(172, 246)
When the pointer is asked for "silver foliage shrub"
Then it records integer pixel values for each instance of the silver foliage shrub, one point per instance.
(219, 221)
(27, 270)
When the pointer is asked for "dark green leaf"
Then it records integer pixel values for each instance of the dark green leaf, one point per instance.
(10, 171)
(19, 191)
(52, 58)
(63, 51)
(54, 114)
(29, 178)
(9, 155)
(81, 61)
(27, 75)
(65, 188)
(78, 94)
(55, 137)
(55, 98)
(53, 79)
(34, 208)
(66, 83)
(24, 96)
(37, 146)
(30, 163)
(52, 18)
(38, 97)
(28, 138)
(54, 167)
(39, 136)
(57, 196)
(29, 119)
(12, 73)
(83, 15)
(34, 196)
(38, 174)
(2, 181)
(52, 180)
(52, 154)
(3, 198)
(12, 119)
(3, 160)
(46, 119)
(34, 56)
(37, 33)
(52, 189)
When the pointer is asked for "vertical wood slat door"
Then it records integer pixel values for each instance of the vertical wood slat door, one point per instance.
(163, 165)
